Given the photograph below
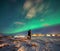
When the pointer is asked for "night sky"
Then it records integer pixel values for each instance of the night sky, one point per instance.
(41, 16)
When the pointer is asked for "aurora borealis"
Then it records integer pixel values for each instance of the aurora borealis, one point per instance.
(22, 15)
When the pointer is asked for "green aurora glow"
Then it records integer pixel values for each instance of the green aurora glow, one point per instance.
(35, 23)
(48, 17)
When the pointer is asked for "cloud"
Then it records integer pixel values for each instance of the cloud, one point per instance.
(31, 7)
(31, 13)
(41, 7)
(27, 5)
(42, 20)
(20, 23)
(46, 25)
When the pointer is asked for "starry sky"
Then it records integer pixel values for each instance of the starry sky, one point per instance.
(22, 15)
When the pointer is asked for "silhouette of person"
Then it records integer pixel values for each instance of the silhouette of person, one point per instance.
(29, 34)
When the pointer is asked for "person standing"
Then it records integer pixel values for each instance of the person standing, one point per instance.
(29, 34)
